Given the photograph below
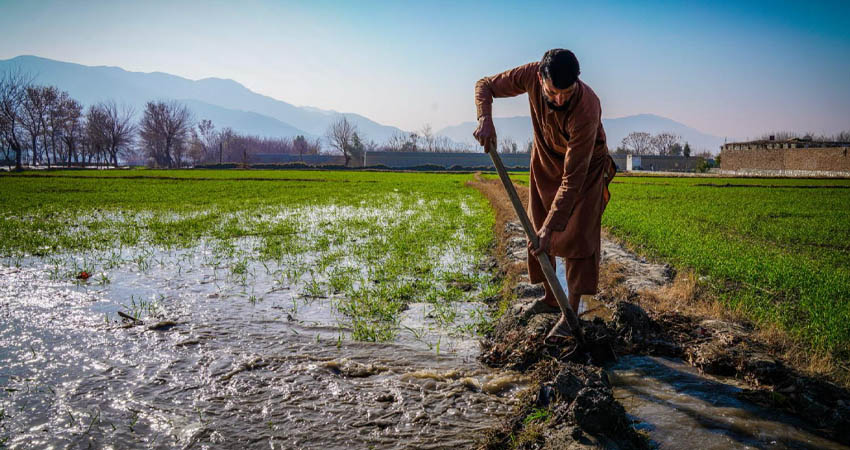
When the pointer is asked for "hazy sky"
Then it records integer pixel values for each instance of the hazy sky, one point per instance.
(734, 69)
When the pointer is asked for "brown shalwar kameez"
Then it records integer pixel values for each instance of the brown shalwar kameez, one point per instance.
(570, 172)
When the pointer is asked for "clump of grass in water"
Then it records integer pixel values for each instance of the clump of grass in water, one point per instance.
(141, 308)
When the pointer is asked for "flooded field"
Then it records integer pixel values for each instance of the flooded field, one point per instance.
(324, 312)
(208, 359)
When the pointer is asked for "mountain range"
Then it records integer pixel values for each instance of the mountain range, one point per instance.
(225, 102)
(229, 104)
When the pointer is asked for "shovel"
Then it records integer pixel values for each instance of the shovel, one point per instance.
(543, 258)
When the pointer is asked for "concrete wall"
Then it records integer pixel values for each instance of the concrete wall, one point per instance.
(444, 159)
(620, 161)
(275, 158)
(832, 159)
(656, 163)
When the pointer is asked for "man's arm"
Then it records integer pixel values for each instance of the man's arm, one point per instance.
(576, 162)
(509, 83)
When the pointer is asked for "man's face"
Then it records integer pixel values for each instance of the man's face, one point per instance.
(556, 98)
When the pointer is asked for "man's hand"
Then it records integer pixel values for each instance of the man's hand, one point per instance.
(485, 134)
(544, 237)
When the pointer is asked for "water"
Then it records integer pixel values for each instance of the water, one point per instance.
(237, 363)
(679, 407)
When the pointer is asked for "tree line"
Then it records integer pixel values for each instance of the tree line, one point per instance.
(643, 143)
(343, 136)
(44, 126)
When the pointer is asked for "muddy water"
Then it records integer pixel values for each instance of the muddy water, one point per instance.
(223, 362)
(678, 407)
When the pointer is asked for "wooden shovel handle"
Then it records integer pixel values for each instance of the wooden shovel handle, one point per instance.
(543, 258)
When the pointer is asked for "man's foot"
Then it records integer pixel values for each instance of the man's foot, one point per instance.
(538, 306)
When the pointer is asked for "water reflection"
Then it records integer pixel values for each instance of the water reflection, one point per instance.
(677, 405)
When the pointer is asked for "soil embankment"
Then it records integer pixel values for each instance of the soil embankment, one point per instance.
(642, 309)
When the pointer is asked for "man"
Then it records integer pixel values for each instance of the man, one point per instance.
(569, 174)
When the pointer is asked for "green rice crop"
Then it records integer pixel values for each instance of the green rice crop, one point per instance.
(777, 250)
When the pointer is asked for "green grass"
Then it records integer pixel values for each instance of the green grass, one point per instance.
(373, 241)
(774, 249)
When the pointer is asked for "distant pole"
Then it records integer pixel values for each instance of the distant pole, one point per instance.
(219, 152)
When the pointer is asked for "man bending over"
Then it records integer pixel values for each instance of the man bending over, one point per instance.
(569, 174)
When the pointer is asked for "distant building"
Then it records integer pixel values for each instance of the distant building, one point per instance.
(792, 157)
(656, 163)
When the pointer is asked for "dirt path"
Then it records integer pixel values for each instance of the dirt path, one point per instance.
(642, 308)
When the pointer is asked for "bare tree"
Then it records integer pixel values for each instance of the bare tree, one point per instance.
(209, 139)
(637, 143)
(401, 142)
(53, 126)
(70, 114)
(13, 86)
(164, 130)
(662, 143)
(96, 139)
(340, 135)
(428, 139)
(118, 129)
(35, 108)
(225, 136)
(508, 145)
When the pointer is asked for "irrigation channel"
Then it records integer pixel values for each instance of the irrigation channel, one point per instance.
(209, 364)
(677, 406)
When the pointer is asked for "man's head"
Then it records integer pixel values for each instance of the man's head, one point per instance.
(558, 72)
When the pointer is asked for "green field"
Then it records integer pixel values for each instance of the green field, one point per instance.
(777, 250)
(373, 241)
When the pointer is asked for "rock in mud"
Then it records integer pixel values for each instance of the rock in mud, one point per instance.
(582, 413)
(583, 397)
(516, 344)
(637, 332)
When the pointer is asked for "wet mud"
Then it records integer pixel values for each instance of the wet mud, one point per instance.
(741, 396)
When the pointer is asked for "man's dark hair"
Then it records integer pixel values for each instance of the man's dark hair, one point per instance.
(560, 66)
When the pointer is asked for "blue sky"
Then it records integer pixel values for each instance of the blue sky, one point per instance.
(735, 69)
